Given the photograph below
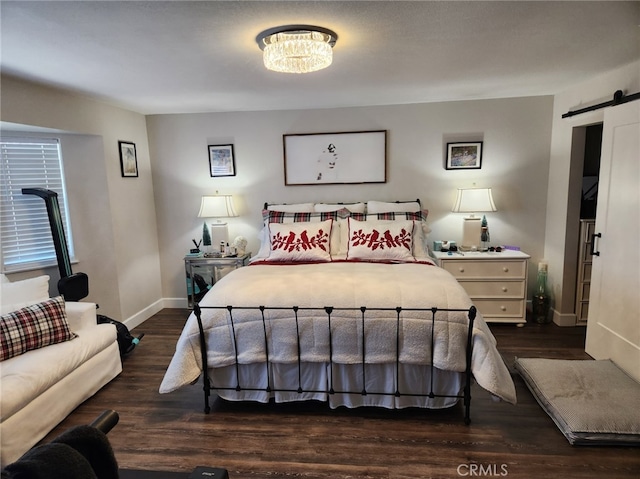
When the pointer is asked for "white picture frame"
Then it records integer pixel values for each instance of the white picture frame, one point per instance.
(335, 158)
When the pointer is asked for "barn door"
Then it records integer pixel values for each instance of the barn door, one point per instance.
(613, 325)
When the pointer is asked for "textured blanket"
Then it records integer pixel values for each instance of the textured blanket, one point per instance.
(341, 285)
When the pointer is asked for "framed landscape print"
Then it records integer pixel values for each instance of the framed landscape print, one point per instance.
(335, 158)
(128, 159)
(464, 156)
(221, 160)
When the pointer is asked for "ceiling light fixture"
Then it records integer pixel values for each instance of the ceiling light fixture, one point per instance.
(297, 48)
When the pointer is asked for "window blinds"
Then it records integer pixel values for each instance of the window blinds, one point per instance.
(24, 224)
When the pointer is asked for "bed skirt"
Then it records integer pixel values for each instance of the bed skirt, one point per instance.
(410, 385)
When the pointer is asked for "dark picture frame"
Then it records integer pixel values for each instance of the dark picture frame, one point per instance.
(352, 157)
(128, 159)
(464, 155)
(222, 161)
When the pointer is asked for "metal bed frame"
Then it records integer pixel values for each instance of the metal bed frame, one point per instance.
(328, 310)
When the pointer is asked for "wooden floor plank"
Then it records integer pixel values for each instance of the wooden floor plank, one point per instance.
(309, 440)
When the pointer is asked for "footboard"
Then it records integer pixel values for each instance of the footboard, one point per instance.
(430, 314)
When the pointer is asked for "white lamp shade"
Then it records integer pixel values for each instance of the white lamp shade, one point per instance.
(217, 206)
(471, 200)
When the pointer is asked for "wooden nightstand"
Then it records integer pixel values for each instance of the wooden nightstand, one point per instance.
(203, 272)
(496, 282)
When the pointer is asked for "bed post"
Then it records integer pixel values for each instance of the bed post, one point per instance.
(467, 388)
(203, 352)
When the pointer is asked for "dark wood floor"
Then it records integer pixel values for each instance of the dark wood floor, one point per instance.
(171, 432)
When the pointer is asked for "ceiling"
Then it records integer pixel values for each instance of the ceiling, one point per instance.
(158, 57)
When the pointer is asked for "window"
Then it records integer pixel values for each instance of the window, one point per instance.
(25, 233)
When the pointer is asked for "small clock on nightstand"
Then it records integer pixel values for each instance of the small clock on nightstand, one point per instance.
(495, 282)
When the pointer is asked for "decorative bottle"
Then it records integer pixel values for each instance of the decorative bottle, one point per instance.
(484, 235)
(206, 238)
(540, 301)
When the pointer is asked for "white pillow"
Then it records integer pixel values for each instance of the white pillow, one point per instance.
(353, 207)
(420, 247)
(277, 216)
(421, 229)
(386, 241)
(18, 294)
(294, 208)
(375, 207)
(300, 242)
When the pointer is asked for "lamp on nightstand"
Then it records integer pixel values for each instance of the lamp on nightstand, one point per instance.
(217, 206)
(473, 200)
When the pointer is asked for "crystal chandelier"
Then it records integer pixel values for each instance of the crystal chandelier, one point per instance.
(297, 48)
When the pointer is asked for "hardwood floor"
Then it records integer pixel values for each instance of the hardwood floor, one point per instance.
(171, 433)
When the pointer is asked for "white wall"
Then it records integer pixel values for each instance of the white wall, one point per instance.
(516, 135)
(561, 239)
(113, 218)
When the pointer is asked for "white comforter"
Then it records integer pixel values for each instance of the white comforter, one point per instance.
(341, 285)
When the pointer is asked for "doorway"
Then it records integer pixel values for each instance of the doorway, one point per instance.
(583, 194)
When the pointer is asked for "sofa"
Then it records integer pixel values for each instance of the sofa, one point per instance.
(54, 356)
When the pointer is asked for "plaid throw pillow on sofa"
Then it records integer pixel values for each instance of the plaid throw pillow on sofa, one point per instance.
(33, 327)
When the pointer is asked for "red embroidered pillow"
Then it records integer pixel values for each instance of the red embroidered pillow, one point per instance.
(34, 327)
(380, 241)
(300, 242)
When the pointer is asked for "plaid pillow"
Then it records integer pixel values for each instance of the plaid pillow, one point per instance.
(412, 216)
(33, 327)
(415, 216)
(270, 216)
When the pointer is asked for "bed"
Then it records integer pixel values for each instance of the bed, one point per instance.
(341, 304)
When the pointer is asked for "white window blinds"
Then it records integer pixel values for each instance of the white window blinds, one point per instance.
(24, 224)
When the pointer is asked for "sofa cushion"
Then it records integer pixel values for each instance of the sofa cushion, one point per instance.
(33, 327)
(28, 376)
(18, 294)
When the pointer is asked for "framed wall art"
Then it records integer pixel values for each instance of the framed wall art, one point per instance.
(128, 159)
(335, 158)
(464, 156)
(222, 161)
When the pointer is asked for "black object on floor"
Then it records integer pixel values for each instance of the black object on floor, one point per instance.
(200, 472)
(126, 342)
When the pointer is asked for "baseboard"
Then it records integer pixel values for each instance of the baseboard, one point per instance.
(177, 303)
(564, 319)
(141, 316)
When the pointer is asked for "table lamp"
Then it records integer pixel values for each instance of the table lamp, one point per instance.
(217, 206)
(473, 200)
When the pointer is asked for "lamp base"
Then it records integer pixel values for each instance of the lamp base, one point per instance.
(219, 234)
(471, 230)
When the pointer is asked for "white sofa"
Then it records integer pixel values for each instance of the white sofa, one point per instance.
(39, 388)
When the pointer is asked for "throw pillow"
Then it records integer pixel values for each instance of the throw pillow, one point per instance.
(380, 241)
(34, 327)
(300, 242)
(18, 294)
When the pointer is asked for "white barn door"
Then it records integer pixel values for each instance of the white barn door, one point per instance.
(613, 325)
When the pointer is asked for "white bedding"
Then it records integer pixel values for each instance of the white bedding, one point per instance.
(341, 285)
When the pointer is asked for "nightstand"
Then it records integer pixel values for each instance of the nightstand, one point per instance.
(495, 282)
(203, 272)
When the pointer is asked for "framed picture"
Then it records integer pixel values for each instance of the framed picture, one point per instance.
(128, 159)
(464, 156)
(335, 158)
(221, 160)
